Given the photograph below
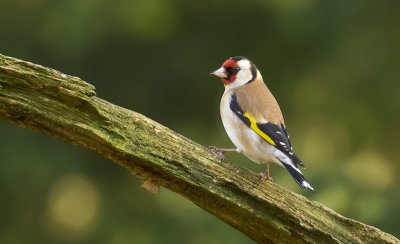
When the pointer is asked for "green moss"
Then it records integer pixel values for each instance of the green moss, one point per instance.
(65, 107)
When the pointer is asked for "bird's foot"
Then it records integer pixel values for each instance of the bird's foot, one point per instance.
(220, 153)
(264, 177)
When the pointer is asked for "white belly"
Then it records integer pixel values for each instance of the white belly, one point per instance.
(244, 138)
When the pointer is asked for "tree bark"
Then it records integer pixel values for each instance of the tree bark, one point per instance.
(65, 107)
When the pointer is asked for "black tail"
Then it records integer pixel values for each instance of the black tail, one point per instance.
(298, 177)
(296, 160)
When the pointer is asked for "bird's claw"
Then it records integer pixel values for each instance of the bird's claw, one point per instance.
(264, 177)
(220, 154)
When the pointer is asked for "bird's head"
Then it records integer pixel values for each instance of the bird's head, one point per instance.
(237, 71)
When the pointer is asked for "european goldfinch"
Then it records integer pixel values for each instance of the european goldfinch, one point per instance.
(253, 120)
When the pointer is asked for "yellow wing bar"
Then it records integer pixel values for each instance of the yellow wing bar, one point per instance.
(254, 127)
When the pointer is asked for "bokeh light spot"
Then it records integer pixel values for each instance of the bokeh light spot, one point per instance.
(370, 168)
(73, 204)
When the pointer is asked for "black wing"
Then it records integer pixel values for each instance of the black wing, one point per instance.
(274, 134)
(279, 135)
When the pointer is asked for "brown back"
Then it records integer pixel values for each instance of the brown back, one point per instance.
(256, 99)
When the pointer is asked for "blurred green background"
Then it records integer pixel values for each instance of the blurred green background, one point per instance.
(332, 65)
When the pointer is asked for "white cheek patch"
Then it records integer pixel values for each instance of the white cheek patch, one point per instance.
(242, 77)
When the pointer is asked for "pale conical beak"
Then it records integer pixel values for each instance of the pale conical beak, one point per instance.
(221, 72)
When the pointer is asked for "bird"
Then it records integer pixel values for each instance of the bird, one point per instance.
(253, 120)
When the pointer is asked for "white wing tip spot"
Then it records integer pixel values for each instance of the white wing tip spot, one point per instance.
(307, 185)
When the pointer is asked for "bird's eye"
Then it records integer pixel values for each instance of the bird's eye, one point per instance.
(233, 70)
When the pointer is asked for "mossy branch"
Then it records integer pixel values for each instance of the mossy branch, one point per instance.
(65, 107)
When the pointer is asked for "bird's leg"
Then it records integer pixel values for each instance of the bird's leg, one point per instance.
(221, 151)
(265, 176)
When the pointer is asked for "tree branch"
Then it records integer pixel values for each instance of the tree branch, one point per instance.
(65, 107)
